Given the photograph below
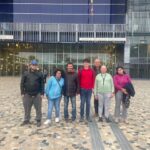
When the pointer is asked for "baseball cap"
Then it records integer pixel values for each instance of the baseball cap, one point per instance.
(34, 62)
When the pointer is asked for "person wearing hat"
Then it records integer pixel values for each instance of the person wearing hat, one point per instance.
(32, 91)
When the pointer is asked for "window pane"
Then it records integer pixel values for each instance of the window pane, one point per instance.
(118, 9)
(142, 50)
(148, 51)
(118, 19)
(134, 71)
(6, 8)
(134, 51)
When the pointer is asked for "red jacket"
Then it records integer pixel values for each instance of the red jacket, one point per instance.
(86, 78)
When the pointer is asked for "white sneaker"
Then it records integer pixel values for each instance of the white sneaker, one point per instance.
(47, 122)
(56, 120)
(116, 120)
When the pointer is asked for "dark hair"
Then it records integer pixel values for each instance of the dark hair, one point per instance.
(69, 63)
(86, 60)
(57, 71)
(120, 67)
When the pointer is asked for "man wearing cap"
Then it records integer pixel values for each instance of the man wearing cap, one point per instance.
(32, 90)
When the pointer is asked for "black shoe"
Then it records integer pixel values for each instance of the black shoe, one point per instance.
(108, 120)
(25, 123)
(38, 123)
(81, 119)
(66, 119)
(89, 119)
(96, 115)
(100, 119)
(73, 120)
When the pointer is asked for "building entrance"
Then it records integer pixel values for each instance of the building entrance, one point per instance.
(14, 57)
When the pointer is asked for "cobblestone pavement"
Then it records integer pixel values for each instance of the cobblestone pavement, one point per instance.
(71, 136)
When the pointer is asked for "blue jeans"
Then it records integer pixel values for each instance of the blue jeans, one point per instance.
(73, 102)
(56, 104)
(85, 96)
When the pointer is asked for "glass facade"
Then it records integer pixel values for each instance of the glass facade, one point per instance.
(138, 34)
(51, 31)
(15, 56)
(6, 10)
(140, 61)
(138, 17)
(64, 11)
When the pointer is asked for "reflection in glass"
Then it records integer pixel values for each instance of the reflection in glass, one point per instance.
(15, 57)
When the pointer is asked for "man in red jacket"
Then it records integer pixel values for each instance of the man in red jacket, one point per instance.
(86, 80)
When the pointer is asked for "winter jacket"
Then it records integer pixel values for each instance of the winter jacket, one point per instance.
(97, 71)
(130, 89)
(71, 85)
(53, 89)
(131, 92)
(32, 83)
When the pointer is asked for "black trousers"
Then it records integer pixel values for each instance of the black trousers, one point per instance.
(96, 106)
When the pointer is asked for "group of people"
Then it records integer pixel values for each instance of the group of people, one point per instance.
(87, 81)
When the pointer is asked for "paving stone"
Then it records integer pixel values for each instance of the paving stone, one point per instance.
(69, 136)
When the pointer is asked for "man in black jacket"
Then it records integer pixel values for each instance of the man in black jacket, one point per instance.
(71, 88)
(96, 68)
(32, 91)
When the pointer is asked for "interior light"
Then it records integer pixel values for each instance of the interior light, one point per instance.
(17, 44)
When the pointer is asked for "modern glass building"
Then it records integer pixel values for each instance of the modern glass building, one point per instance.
(138, 38)
(57, 31)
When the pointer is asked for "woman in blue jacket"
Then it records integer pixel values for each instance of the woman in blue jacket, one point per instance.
(54, 92)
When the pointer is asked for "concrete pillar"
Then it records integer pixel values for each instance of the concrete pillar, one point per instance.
(127, 56)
